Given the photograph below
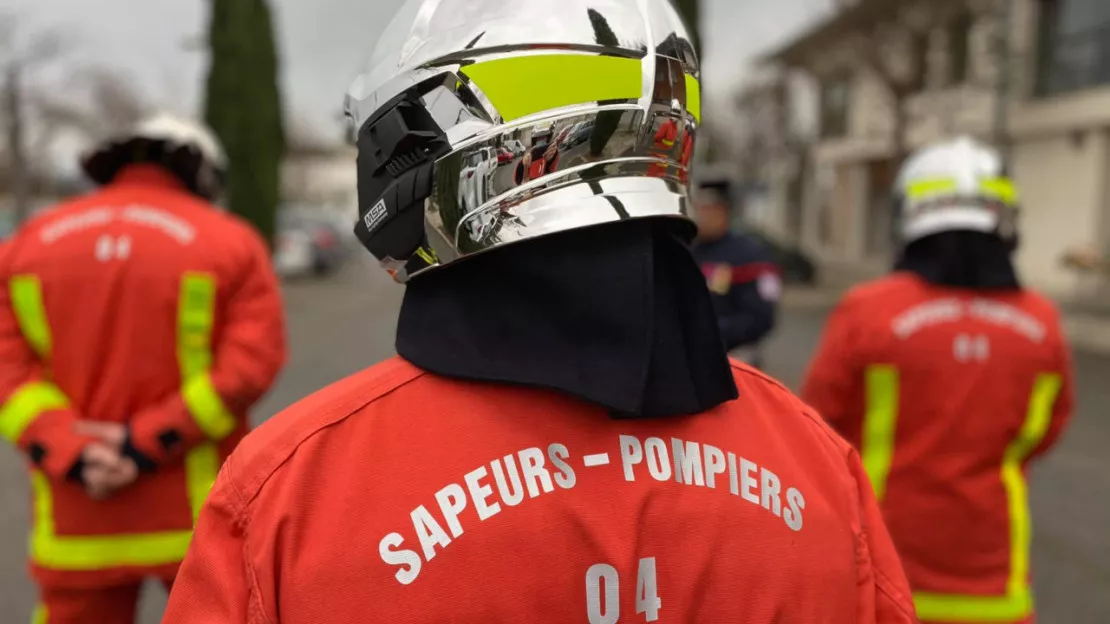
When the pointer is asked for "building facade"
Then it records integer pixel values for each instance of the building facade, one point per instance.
(1048, 61)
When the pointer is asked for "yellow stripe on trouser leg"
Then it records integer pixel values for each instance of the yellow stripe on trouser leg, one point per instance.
(30, 311)
(24, 406)
(879, 422)
(1017, 603)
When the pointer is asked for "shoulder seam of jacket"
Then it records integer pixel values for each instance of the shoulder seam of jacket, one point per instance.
(243, 518)
(802, 407)
(348, 406)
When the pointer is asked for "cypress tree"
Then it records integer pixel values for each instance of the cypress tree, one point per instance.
(243, 107)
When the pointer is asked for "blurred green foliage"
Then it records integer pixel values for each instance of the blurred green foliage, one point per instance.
(243, 106)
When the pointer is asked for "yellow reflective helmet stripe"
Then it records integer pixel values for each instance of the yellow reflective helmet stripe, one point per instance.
(26, 295)
(519, 86)
(1017, 603)
(923, 189)
(25, 404)
(196, 316)
(879, 422)
(693, 97)
(1002, 189)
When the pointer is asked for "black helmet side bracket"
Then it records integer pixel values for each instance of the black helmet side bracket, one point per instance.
(397, 151)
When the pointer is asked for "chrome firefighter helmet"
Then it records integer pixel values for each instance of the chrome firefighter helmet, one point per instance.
(486, 122)
(956, 185)
(187, 148)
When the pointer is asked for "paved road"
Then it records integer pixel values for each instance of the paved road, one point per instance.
(340, 325)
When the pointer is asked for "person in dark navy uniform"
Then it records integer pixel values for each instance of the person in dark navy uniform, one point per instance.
(745, 284)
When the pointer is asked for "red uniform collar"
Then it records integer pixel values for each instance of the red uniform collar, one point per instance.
(146, 175)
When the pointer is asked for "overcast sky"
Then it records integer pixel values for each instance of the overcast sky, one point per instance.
(324, 42)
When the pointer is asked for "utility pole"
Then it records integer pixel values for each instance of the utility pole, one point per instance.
(14, 110)
(1002, 61)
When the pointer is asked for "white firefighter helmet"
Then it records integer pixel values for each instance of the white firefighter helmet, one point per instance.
(528, 120)
(187, 148)
(956, 185)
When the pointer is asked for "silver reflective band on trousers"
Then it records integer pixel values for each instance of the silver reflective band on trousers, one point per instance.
(560, 115)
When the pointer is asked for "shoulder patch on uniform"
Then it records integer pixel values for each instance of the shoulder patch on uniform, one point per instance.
(266, 448)
(769, 286)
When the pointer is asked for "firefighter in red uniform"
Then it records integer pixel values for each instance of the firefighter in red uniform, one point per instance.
(562, 438)
(950, 378)
(137, 326)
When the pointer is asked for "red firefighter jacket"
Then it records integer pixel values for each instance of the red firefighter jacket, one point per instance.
(663, 142)
(138, 304)
(400, 496)
(948, 394)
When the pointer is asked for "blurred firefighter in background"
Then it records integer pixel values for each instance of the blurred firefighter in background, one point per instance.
(950, 378)
(541, 159)
(744, 282)
(137, 326)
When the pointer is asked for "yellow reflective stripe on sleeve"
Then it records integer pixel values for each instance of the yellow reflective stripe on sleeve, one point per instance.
(207, 408)
(519, 86)
(693, 97)
(25, 404)
(879, 421)
(196, 316)
(1002, 189)
(1017, 603)
(101, 551)
(918, 190)
(26, 294)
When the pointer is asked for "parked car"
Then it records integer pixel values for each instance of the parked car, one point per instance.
(793, 261)
(307, 243)
(475, 177)
(505, 156)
